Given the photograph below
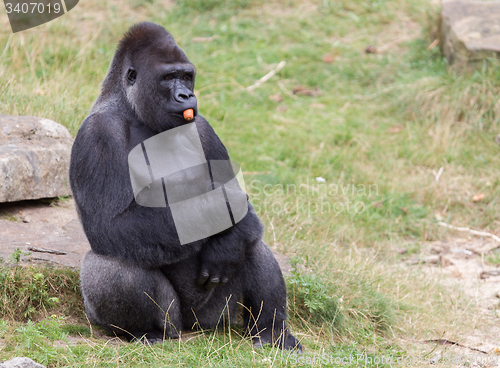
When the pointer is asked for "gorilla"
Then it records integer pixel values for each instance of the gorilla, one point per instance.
(139, 280)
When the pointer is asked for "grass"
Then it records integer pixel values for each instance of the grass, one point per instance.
(30, 292)
(379, 131)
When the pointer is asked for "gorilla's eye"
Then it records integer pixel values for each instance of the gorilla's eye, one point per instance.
(187, 78)
(168, 77)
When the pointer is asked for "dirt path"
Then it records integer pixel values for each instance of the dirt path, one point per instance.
(461, 266)
(43, 225)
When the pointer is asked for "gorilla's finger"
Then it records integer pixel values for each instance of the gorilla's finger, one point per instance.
(214, 281)
(224, 280)
(204, 275)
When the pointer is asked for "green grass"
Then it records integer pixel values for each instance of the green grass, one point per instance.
(30, 292)
(46, 342)
(494, 258)
(388, 124)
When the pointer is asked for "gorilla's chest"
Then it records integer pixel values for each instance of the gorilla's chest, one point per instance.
(170, 169)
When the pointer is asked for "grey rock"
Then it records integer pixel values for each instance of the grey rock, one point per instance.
(470, 32)
(284, 262)
(21, 363)
(34, 158)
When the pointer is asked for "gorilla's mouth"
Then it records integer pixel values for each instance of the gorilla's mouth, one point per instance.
(180, 114)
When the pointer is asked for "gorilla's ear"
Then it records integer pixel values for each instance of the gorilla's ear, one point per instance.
(131, 75)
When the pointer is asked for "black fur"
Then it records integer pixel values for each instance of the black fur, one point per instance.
(138, 280)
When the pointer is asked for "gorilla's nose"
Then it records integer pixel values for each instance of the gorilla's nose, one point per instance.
(183, 96)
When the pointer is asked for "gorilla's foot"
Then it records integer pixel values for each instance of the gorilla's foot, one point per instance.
(151, 337)
(279, 338)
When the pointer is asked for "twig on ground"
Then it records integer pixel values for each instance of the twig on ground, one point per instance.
(204, 39)
(392, 44)
(256, 172)
(43, 250)
(438, 174)
(471, 231)
(449, 342)
(288, 93)
(433, 44)
(485, 274)
(266, 77)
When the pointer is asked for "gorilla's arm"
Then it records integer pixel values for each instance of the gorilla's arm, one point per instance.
(221, 256)
(114, 223)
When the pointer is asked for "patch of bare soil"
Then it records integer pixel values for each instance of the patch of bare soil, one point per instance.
(50, 230)
(461, 265)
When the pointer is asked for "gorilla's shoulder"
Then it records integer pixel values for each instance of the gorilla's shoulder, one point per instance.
(202, 123)
(212, 145)
(103, 125)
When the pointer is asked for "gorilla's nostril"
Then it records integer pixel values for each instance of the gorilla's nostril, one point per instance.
(183, 96)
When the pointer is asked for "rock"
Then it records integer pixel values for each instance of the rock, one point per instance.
(21, 363)
(470, 32)
(284, 262)
(34, 158)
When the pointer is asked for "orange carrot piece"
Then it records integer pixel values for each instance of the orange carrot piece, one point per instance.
(189, 114)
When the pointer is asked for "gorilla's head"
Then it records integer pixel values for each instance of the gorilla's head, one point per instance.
(155, 76)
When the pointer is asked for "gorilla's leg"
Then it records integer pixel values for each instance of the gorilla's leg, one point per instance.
(128, 300)
(258, 282)
(264, 299)
(218, 311)
(206, 309)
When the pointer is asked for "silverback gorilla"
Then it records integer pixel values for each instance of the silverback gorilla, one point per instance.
(139, 280)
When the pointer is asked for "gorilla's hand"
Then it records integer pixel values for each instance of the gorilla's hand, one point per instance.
(219, 259)
(221, 256)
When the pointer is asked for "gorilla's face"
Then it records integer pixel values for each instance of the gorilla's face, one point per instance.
(160, 92)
